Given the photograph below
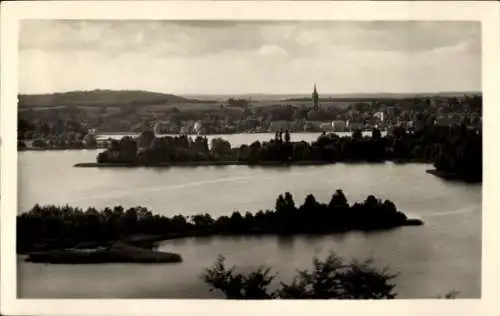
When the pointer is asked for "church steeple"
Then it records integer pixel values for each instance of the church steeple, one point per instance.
(315, 99)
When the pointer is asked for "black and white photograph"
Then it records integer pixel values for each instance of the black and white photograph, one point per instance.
(248, 159)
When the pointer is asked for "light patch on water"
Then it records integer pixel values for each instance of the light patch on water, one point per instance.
(464, 210)
(119, 193)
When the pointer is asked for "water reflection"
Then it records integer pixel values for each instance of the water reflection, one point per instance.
(285, 243)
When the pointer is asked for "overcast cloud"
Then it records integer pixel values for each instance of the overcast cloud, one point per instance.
(227, 57)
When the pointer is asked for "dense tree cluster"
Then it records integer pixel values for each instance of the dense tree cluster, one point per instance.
(67, 226)
(38, 129)
(148, 149)
(424, 145)
(60, 134)
(460, 156)
(456, 149)
(243, 103)
(330, 278)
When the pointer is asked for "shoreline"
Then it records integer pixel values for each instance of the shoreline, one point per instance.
(155, 239)
(235, 163)
(58, 149)
(118, 252)
(141, 249)
(102, 135)
(193, 164)
(451, 176)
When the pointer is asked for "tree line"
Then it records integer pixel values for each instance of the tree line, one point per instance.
(65, 226)
(456, 149)
(61, 134)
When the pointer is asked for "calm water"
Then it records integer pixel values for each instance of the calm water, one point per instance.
(443, 255)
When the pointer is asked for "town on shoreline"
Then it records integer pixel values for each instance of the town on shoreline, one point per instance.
(72, 119)
(441, 129)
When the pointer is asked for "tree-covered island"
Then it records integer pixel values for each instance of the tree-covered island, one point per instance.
(456, 152)
(54, 234)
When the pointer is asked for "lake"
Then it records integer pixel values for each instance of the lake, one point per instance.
(442, 255)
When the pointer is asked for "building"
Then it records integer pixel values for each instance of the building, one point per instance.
(275, 126)
(327, 127)
(353, 125)
(379, 115)
(198, 127)
(448, 121)
(339, 126)
(390, 111)
(158, 128)
(315, 99)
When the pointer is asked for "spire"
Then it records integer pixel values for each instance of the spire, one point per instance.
(315, 98)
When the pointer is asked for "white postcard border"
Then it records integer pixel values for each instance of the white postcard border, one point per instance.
(486, 11)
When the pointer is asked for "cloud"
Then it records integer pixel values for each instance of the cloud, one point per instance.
(210, 37)
(273, 51)
(249, 56)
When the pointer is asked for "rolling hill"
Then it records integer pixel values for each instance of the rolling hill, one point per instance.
(146, 98)
(341, 97)
(103, 98)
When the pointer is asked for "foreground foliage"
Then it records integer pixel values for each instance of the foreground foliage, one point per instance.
(330, 278)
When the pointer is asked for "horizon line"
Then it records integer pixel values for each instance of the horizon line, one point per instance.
(252, 93)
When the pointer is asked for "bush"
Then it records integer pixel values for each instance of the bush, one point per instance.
(329, 279)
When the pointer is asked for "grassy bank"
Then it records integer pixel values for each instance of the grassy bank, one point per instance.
(115, 253)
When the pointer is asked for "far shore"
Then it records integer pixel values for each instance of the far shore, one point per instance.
(59, 149)
(234, 163)
(197, 163)
(450, 176)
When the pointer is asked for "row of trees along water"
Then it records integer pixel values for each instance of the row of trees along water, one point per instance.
(456, 149)
(59, 227)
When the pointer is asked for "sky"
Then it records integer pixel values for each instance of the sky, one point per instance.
(236, 57)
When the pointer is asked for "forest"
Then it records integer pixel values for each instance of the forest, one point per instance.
(454, 151)
(53, 227)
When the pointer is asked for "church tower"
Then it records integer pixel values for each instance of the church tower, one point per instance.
(315, 99)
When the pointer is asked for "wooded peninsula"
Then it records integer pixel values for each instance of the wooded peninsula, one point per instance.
(65, 234)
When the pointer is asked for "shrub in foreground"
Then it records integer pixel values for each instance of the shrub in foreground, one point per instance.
(330, 278)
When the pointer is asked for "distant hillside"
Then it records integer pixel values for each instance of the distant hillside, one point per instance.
(138, 98)
(382, 96)
(329, 96)
(103, 97)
